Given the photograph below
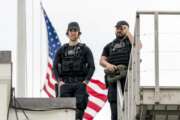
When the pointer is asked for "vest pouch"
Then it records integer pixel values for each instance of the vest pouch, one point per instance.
(66, 66)
(77, 65)
(59, 69)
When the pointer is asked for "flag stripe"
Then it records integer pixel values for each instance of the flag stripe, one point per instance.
(47, 92)
(96, 94)
(50, 66)
(99, 83)
(87, 116)
(95, 87)
(96, 100)
(49, 82)
(51, 91)
(91, 111)
(52, 76)
(94, 106)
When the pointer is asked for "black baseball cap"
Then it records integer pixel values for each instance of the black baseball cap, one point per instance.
(122, 22)
(73, 25)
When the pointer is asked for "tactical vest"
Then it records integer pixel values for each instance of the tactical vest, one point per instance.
(119, 52)
(73, 62)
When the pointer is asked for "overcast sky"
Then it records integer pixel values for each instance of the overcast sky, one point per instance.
(97, 19)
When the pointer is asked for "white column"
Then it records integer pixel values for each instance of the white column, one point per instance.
(21, 49)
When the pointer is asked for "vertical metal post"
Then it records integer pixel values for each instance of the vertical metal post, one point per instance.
(156, 33)
(120, 102)
(21, 48)
(136, 70)
(137, 38)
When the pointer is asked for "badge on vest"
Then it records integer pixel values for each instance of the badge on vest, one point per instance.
(118, 46)
(71, 52)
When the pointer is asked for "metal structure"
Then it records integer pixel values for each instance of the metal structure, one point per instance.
(150, 102)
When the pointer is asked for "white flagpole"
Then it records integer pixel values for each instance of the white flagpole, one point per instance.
(21, 84)
(41, 60)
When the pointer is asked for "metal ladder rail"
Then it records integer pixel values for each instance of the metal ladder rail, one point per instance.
(120, 102)
(131, 88)
(123, 100)
(133, 75)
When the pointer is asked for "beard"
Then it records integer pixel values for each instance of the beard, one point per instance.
(120, 35)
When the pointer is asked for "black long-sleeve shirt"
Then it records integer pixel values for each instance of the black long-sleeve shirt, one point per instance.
(86, 54)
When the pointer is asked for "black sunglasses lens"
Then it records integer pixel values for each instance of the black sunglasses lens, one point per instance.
(73, 30)
(121, 28)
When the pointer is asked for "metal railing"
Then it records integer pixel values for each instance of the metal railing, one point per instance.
(120, 102)
(127, 104)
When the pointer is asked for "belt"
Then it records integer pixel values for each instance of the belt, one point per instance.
(73, 79)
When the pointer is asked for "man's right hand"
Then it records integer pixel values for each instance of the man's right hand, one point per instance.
(61, 83)
(110, 67)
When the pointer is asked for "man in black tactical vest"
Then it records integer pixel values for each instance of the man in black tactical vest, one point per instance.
(73, 67)
(115, 58)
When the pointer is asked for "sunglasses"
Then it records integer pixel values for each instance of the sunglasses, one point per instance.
(121, 27)
(73, 30)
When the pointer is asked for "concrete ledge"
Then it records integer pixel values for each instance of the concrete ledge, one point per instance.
(58, 114)
(44, 103)
(5, 56)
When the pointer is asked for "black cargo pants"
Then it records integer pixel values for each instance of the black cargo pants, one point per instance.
(77, 90)
(112, 97)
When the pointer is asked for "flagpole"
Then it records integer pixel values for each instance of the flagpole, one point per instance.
(41, 50)
(21, 84)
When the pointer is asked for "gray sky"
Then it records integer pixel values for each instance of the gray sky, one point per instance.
(97, 19)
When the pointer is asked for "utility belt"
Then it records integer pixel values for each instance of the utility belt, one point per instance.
(118, 74)
(73, 79)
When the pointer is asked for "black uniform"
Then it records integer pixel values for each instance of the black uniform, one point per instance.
(117, 52)
(74, 65)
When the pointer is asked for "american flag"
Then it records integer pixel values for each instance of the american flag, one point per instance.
(97, 98)
(96, 89)
(53, 45)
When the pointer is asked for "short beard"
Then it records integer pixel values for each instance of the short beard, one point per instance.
(119, 36)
